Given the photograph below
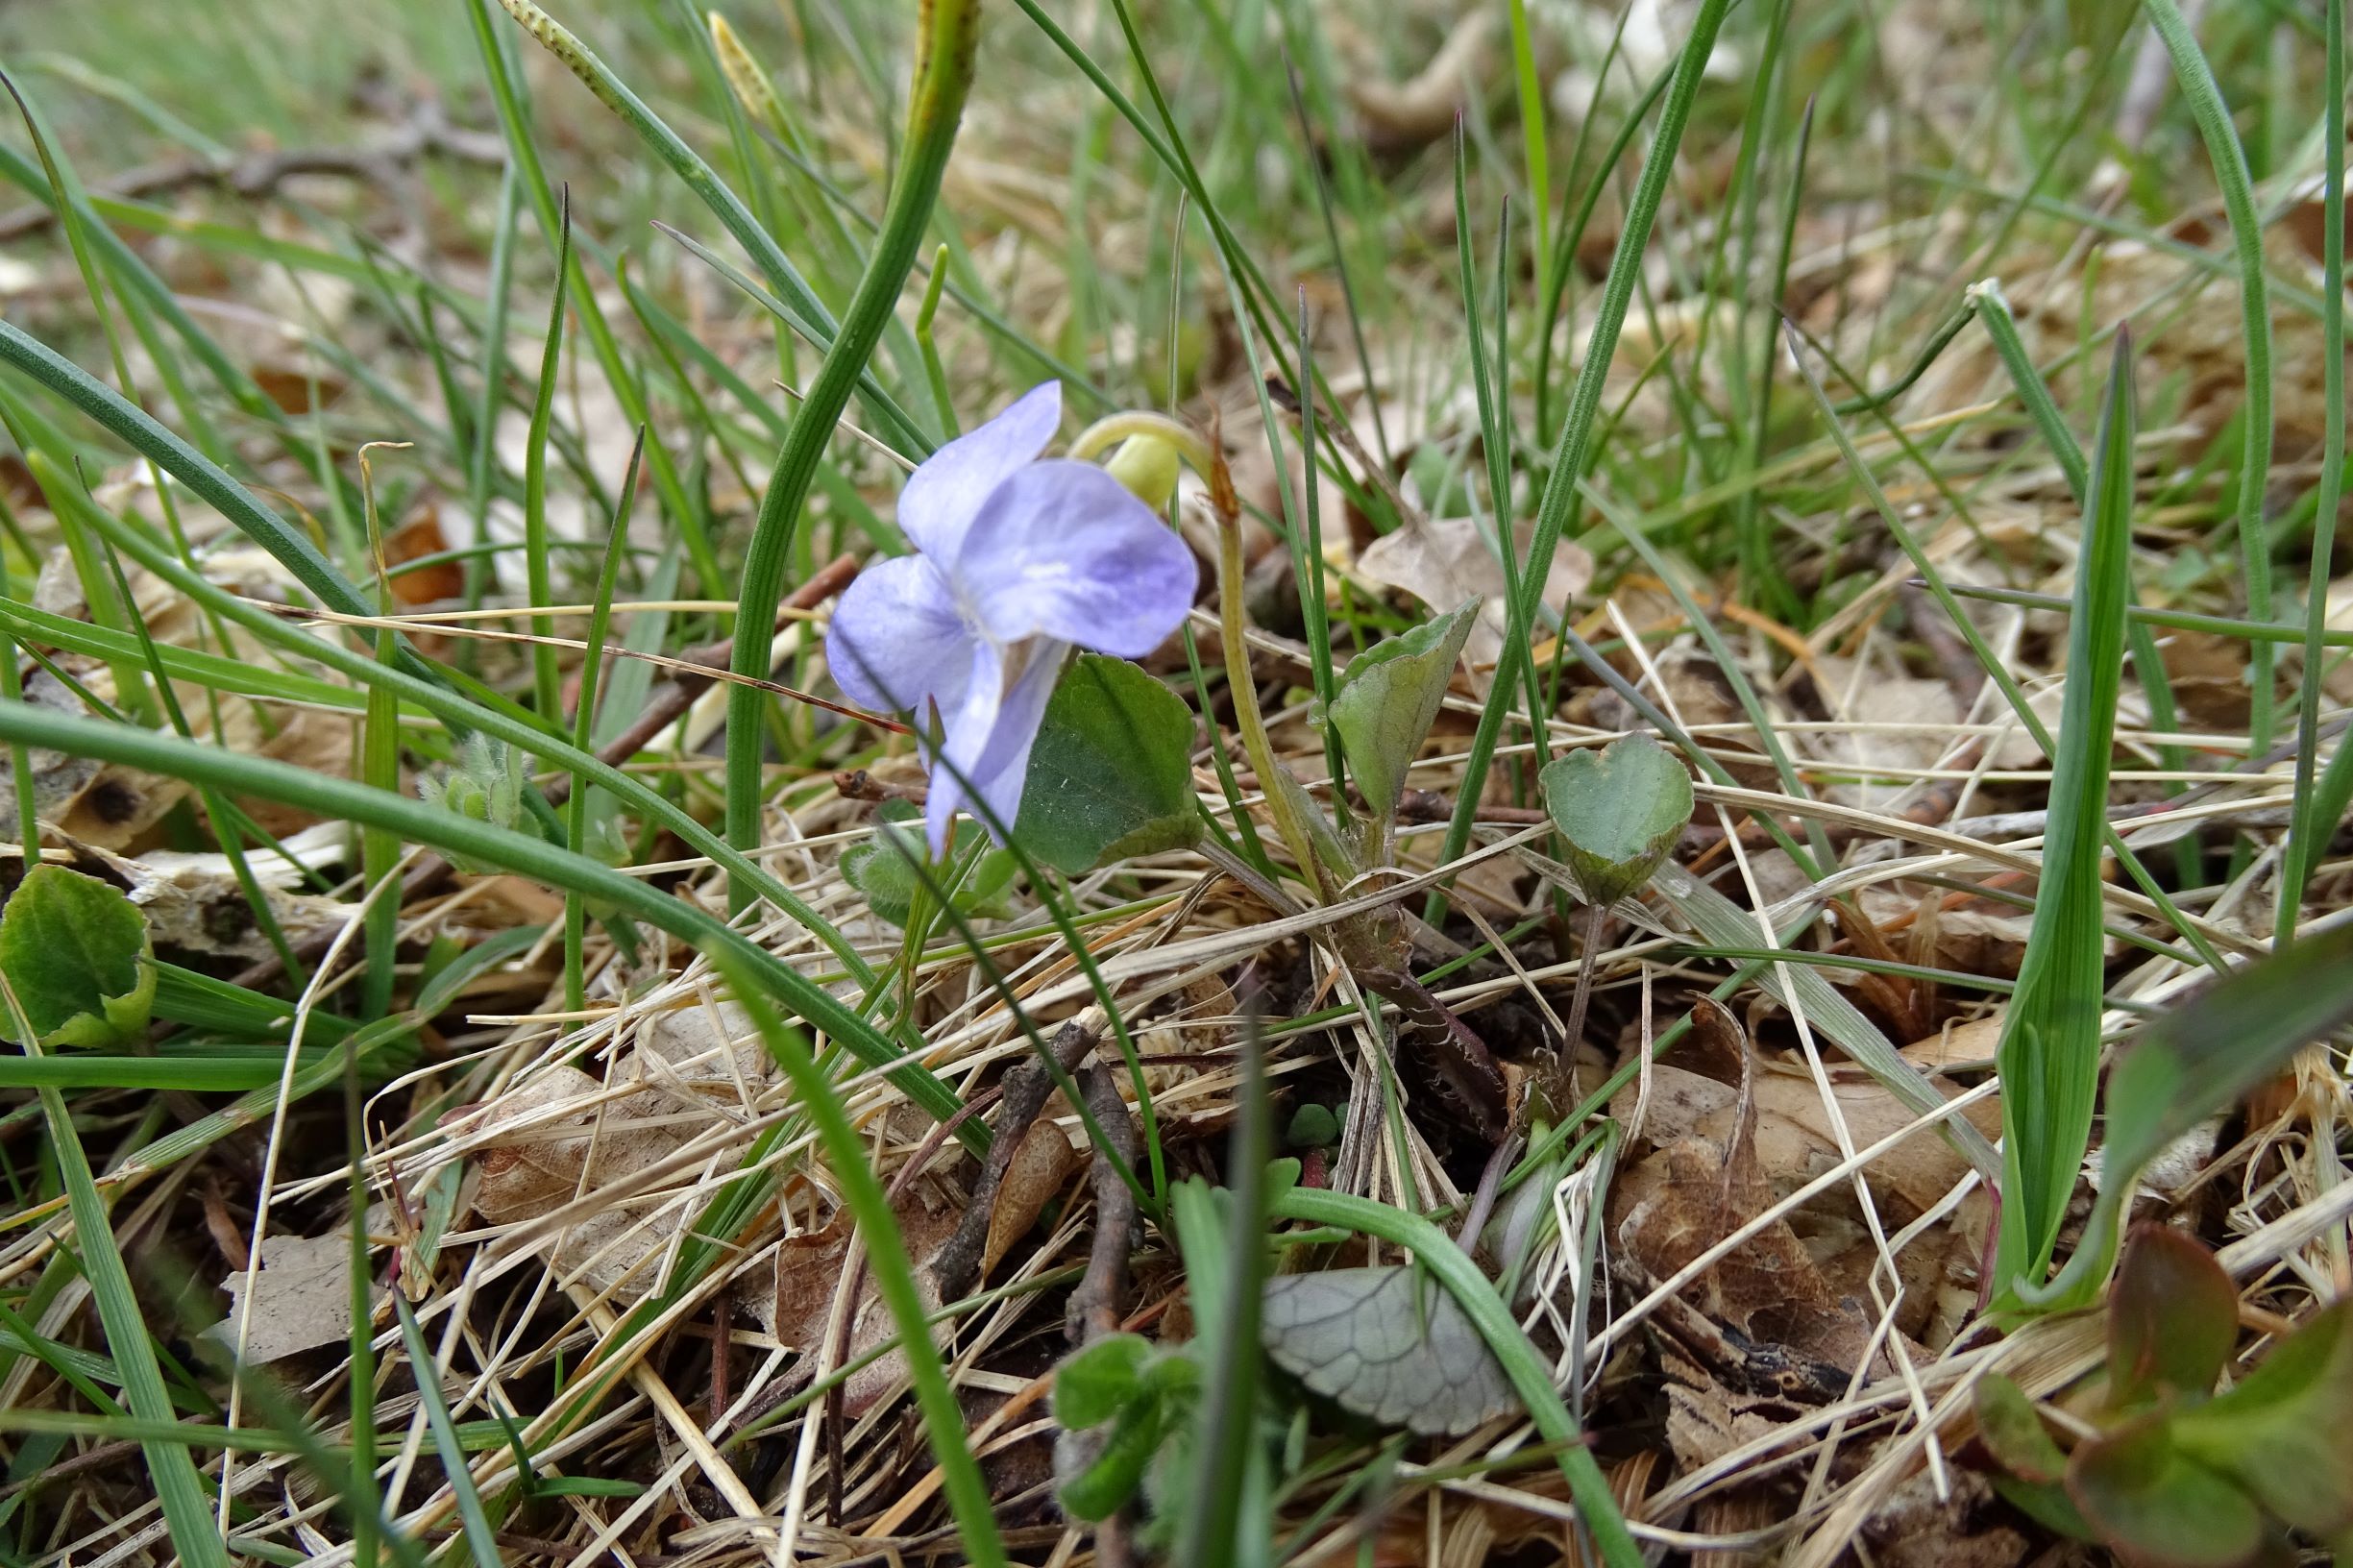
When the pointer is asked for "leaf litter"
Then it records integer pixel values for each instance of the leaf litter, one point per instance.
(1813, 1383)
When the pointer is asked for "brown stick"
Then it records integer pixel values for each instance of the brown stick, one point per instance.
(662, 711)
(1094, 1311)
(957, 1263)
(256, 175)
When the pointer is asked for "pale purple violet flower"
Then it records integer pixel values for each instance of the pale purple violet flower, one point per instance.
(1019, 560)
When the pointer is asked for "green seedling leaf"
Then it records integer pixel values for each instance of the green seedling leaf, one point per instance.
(486, 784)
(1389, 1345)
(76, 953)
(2197, 1060)
(1313, 1126)
(2172, 1319)
(1098, 1383)
(884, 868)
(1621, 809)
(2049, 1055)
(2282, 1433)
(1388, 698)
(1104, 1487)
(1111, 775)
(2144, 1496)
(2014, 1433)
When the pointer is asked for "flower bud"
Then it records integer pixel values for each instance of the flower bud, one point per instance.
(1147, 466)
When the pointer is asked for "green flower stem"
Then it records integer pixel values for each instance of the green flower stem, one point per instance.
(1234, 631)
(944, 68)
(1528, 1374)
(1110, 430)
(1576, 448)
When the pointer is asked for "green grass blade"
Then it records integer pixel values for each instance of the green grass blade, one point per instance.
(169, 1468)
(546, 680)
(2320, 802)
(481, 1540)
(2230, 171)
(2048, 1056)
(943, 77)
(1575, 445)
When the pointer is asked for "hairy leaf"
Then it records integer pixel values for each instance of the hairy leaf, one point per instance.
(1387, 699)
(1111, 775)
(884, 868)
(75, 953)
(1621, 809)
(1389, 1345)
(1094, 1385)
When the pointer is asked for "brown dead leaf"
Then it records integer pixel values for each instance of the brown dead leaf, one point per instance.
(1767, 1291)
(301, 1298)
(810, 1270)
(1446, 562)
(413, 540)
(1035, 1178)
(553, 1157)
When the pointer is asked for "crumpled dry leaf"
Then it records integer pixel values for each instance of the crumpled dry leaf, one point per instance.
(551, 1158)
(1863, 696)
(193, 901)
(810, 1270)
(1387, 1343)
(1768, 1291)
(301, 1298)
(1446, 562)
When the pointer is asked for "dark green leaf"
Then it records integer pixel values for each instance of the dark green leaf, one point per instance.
(1313, 1126)
(2282, 1432)
(75, 951)
(2172, 1318)
(1388, 698)
(1389, 1345)
(1094, 1385)
(2014, 1433)
(1621, 809)
(2144, 1496)
(2046, 1502)
(1111, 775)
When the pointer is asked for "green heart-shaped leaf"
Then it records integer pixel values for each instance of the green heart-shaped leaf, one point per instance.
(1111, 775)
(1621, 809)
(1387, 699)
(75, 951)
(884, 867)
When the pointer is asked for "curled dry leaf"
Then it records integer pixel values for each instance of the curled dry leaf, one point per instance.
(811, 1269)
(1447, 562)
(1035, 1178)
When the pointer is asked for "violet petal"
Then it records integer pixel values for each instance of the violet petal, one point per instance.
(941, 498)
(1061, 550)
(897, 643)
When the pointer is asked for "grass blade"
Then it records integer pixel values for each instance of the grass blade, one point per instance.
(943, 77)
(2048, 1056)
